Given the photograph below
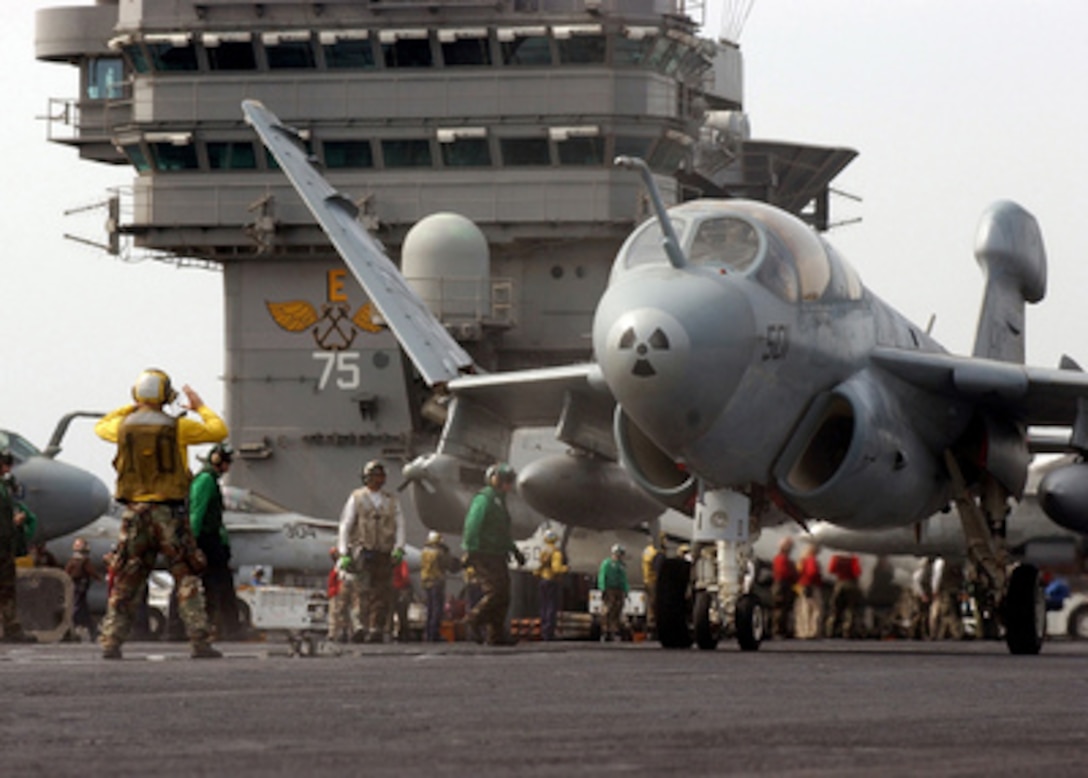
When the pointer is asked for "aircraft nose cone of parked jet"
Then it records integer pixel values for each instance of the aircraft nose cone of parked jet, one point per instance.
(63, 497)
(673, 347)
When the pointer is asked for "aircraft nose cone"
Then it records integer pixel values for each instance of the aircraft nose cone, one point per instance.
(63, 496)
(673, 346)
(100, 497)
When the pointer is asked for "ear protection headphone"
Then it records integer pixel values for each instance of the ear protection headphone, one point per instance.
(153, 385)
(220, 453)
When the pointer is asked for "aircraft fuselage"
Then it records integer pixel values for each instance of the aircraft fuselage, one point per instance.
(749, 372)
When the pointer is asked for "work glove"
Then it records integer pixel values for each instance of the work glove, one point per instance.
(520, 557)
(344, 564)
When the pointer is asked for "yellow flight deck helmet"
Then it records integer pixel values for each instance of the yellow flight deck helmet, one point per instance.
(153, 386)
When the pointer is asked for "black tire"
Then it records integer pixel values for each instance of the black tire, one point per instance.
(751, 624)
(707, 633)
(673, 604)
(1024, 611)
(1078, 623)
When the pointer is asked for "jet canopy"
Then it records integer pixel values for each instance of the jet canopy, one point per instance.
(749, 238)
(21, 448)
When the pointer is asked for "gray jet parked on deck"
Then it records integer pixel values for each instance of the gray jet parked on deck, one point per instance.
(742, 372)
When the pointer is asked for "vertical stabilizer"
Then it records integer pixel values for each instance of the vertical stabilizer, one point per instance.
(1009, 247)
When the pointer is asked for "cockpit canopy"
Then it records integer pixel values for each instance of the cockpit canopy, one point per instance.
(750, 238)
(21, 448)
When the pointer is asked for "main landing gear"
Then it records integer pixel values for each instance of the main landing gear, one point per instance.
(707, 599)
(1018, 588)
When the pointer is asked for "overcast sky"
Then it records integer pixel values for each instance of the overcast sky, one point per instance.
(952, 105)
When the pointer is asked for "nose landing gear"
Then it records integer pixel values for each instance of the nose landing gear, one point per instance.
(708, 600)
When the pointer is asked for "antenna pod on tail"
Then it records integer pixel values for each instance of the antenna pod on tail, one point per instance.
(1009, 248)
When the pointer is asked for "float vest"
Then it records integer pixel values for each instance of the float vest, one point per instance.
(375, 528)
(148, 461)
(432, 565)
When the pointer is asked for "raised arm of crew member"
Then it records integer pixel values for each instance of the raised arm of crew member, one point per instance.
(210, 428)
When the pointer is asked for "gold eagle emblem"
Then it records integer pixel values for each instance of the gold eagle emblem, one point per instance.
(334, 327)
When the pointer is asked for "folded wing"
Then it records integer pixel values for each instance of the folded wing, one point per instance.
(434, 352)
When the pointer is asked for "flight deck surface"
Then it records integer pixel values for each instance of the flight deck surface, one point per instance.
(792, 708)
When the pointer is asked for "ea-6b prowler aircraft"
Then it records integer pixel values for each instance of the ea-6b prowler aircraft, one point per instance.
(62, 496)
(740, 362)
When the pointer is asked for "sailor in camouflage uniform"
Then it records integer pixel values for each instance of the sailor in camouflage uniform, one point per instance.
(153, 483)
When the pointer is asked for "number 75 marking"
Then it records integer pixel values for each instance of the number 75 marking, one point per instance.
(346, 365)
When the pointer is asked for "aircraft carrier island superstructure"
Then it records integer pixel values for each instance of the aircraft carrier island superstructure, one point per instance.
(500, 116)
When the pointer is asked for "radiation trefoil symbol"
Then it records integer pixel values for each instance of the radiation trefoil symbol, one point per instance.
(658, 341)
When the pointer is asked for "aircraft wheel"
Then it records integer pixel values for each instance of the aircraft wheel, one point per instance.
(673, 603)
(707, 633)
(1078, 623)
(750, 622)
(1025, 611)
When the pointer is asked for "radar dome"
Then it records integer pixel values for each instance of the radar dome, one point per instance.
(446, 261)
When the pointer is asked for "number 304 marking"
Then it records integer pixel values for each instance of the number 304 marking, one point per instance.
(344, 363)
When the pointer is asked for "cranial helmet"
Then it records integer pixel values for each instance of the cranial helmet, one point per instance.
(79, 545)
(6, 457)
(618, 550)
(220, 453)
(434, 537)
(502, 472)
(153, 386)
(550, 536)
(372, 467)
